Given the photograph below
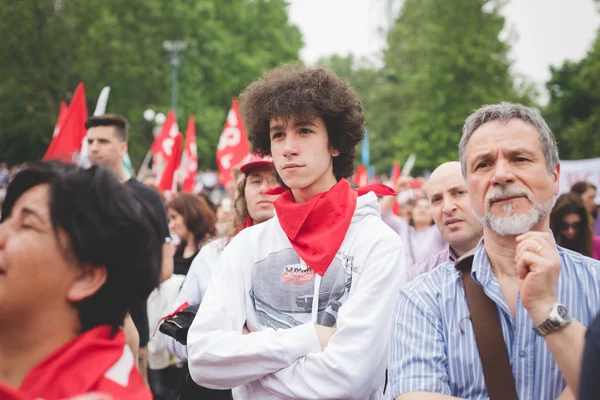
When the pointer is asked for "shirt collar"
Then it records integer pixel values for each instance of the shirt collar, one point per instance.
(451, 254)
(481, 271)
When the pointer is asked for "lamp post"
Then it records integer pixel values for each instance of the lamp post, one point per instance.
(175, 47)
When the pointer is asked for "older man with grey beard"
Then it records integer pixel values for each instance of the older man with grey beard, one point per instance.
(545, 295)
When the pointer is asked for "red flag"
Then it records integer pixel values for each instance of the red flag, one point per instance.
(189, 165)
(395, 178)
(395, 174)
(71, 130)
(172, 152)
(361, 176)
(233, 144)
(169, 129)
(61, 117)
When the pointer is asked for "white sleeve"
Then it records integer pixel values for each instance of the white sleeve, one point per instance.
(191, 292)
(352, 366)
(219, 356)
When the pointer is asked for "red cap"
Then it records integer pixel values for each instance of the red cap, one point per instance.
(255, 161)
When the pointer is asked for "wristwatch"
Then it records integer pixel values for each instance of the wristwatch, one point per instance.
(559, 318)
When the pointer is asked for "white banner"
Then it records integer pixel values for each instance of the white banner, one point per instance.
(580, 170)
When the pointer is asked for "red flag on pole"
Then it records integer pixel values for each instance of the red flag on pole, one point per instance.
(66, 144)
(395, 174)
(172, 153)
(233, 145)
(395, 178)
(189, 165)
(168, 130)
(361, 176)
(163, 141)
(61, 117)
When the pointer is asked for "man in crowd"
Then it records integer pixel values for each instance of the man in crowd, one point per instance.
(452, 214)
(76, 252)
(545, 295)
(300, 307)
(107, 137)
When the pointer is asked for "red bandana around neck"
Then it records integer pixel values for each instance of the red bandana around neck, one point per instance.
(247, 223)
(317, 228)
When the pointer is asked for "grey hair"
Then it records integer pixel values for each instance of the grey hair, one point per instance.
(504, 112)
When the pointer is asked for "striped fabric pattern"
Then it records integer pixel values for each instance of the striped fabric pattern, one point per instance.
(433, 346)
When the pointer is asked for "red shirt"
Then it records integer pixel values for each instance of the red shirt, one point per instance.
(94, 362)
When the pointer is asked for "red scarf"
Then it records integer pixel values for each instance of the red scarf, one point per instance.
(317, 228)
(82, 366)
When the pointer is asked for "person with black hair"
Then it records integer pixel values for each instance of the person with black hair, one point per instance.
(300, 305)
(107, 137)
(587, 192)
(569, 222)
(77, 251)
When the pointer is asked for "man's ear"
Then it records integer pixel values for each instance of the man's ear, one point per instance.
(89, 281)
(124, 147)
(556, 179)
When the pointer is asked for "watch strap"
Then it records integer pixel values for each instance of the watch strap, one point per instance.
(552, 323)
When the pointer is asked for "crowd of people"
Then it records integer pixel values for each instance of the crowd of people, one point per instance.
(292, 283)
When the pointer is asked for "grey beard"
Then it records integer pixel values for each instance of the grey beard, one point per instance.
(517, 224)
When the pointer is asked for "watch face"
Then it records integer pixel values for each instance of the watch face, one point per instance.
(562, 312)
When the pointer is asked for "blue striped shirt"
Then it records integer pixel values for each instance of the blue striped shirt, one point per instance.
(433, 345)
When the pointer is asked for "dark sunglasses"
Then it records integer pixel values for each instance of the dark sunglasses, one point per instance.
(565, 225)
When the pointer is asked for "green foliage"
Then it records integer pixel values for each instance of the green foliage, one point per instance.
(444, 59)
(49, 46)
(370, 85)
(573, 111)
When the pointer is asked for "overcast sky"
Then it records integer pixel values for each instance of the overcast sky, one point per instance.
(549, 31)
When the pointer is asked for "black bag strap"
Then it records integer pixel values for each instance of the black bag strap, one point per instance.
(497, 371)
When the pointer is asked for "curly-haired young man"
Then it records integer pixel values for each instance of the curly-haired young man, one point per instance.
(301, 305)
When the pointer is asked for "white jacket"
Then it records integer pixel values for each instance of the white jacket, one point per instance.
(159, 304)
(194, 286)
(262, 282)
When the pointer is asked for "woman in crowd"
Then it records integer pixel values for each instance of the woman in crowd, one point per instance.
(569, 222)
(252, 206)
(421, 238)
(587, 193)
(193, 221)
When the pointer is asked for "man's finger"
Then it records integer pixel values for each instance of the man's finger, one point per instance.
(532, 244)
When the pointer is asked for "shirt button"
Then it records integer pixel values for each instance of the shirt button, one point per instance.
(522, 354)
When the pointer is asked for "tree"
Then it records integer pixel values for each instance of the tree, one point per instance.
(573, 111)
(444, 60)
(370, 84)
(57, 43)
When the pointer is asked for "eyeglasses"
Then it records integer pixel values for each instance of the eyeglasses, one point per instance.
(258, 181)
(565, 225)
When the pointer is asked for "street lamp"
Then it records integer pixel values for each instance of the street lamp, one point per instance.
(160, 118)
(175, 47)
(157, 118)
(149, 115)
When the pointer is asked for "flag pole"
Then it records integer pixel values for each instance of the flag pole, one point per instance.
(144, 167)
